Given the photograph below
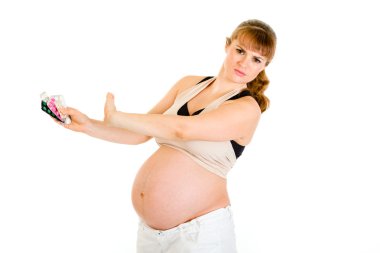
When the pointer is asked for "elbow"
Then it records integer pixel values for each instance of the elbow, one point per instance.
(134, 140)
(139, 140)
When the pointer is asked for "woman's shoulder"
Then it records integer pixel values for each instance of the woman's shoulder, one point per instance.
(188, 81)
(245, 102)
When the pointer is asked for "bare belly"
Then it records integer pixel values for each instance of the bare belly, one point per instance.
(171, 188)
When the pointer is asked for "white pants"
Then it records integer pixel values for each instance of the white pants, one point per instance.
(209, 233)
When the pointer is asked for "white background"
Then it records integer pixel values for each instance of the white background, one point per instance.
(309, 181)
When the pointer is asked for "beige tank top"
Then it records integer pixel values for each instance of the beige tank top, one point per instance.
(215, 156)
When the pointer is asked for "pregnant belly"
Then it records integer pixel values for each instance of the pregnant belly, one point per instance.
(171, 188)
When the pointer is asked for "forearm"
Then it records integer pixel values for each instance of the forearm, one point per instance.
(100, 130)
(154, 125)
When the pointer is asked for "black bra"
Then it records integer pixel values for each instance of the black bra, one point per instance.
(184, 111)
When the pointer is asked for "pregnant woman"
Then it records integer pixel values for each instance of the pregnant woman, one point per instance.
(201, 126)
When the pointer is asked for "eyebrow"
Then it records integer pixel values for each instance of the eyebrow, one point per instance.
(258, 57)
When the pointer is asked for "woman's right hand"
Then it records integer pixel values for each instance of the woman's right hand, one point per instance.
(79, 121)
(109, 108)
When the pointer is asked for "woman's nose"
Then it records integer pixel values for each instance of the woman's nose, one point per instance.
(243, 61)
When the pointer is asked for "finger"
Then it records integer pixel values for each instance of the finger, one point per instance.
(110, 99)
(72, 127)
(110, 95)
(68, 111)
(110, 102)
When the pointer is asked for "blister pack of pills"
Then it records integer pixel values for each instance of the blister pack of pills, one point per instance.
(52, 104)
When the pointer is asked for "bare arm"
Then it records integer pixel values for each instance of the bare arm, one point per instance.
(105, 131)
(98, 129)
(233, 120)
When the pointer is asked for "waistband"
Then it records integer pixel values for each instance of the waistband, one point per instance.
(213, 216)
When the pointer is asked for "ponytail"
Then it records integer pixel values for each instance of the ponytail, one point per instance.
(257, 87)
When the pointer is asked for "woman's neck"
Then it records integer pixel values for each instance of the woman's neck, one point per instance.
(223, 84)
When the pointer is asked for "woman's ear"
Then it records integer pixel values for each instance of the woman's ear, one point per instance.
(228, 43)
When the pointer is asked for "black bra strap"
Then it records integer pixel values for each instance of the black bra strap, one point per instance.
(205, 79)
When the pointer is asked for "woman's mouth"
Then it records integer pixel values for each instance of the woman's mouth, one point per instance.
(239, 73)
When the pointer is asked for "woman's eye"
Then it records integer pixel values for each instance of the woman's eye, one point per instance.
(240, 51)
(257, 60)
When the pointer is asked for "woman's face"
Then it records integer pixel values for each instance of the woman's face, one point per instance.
(242, 65)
